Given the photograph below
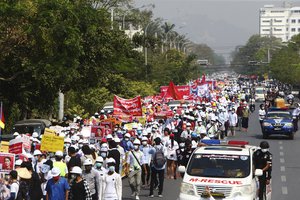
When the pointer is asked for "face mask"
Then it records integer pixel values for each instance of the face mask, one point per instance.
(139, 132)
(188, 128)
(103, 155)
(144, 143)
(73, 176)
(126, 139)
(136, 147)
(111, 168)
(80, 146)
(232, 112)
(56, 178)
(264, 150)
(98, 165)
(181, 145)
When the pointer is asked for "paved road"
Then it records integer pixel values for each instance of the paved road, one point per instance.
(286, 166)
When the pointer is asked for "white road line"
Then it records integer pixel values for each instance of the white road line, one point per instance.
(282, 168)
(282, 160)
(281, 147)
(284, 190)
(283, 178)
(281, 153)
(280, 142)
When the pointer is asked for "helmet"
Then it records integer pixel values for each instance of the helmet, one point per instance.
(127, 135)
(264, 145)
(102, 111)
(136, 141)
(35, 135)
(109, 136)
(18, 162)
(110, 160)
(96, 113)
(16, 134)
(85, 141)
(59, 153)
(194, 135)
(67, 140)
(99, 159)
(117, 140)
(37, 152)
(144, 139)
(76, 170)
(55, 171)
(88, 162)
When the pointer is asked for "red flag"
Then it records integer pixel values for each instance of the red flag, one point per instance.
(173, 92)
(203, 79)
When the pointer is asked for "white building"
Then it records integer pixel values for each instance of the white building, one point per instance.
(280, 22)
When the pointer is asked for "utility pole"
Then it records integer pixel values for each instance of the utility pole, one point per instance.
(61, 98)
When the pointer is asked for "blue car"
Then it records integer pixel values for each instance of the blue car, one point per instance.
(278, 122)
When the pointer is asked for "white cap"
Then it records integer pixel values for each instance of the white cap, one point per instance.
(59, 153)
(136, 141)
(76, 170)
(99, 159)
(96, 113)
(16, 134)
(102, 111)
(110, 160)
(67, 140)
(85, 141)
(104, 145)
(116, 139)
(55, 171)
(35, 135)
(80, 141)
(18, 162)
(88, 162)
(37, 152)
(127, 135)
(144, 139)
(109, 136)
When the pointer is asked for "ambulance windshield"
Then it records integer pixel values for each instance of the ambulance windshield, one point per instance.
(223, 166)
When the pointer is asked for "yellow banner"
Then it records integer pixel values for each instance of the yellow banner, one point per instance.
(4, 146)
(52, 143)
(49, 132)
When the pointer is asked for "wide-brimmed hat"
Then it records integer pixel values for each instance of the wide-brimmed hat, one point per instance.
(23, 173)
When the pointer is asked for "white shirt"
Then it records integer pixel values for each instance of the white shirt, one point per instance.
(112, 186)
(262, 114)
(232, 119)
(171, 151)
(14, 188)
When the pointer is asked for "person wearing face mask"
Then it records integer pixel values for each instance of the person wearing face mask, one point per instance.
(186, 133)
(145, 147)
(45, 175)
(134, 171)
(179, 154)
(14, 185)
(114, 153)
(111, 188)
(262, 159)
(92, 178)
(233, 120)
(38, 160)
(126, 143)
(79, 189)
(57, 187)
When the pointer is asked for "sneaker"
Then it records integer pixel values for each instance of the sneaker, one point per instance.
(137, 197)
(151, 196)
(160, 195)
(133, 194)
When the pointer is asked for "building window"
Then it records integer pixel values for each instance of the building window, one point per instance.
(278, 21)
(298, 20)
(266, 29)
(293, 21)
(298, 29)
(287, 29)
(287, 21)
(266, 21)
(293, 29)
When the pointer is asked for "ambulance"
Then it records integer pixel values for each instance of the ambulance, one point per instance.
(226, 169)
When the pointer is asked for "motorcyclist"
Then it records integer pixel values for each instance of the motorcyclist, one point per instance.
(296, 113)
(262, 159)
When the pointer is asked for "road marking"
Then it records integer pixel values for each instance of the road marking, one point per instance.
(281, 147)
(282, 168)
(283, 178)
(280, 142)
(284, 190)
(282, 160)
(281, 153)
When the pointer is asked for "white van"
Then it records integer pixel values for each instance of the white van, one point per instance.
(260, 93)
(226, 169)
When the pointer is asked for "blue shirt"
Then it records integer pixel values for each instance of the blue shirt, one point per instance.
(57, 191)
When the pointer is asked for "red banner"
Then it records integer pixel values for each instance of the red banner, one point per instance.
(131, 107)
(183, 90)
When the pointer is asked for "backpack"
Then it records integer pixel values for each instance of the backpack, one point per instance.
(159, 159)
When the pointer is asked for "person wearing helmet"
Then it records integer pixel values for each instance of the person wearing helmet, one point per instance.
(99, 166)
(37, 160)
(60, 164)
(134, 172)
(102, 115)
(262, 159)
(145, 147)
(111, 187)
(126, 143)
(57, 187)
(92, 177)
(79, 189)
(114, 153)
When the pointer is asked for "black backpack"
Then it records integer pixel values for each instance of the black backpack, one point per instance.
(159, 159)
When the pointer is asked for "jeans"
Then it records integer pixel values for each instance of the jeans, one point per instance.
(161, 177)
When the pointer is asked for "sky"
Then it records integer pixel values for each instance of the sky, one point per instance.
(221, 24)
